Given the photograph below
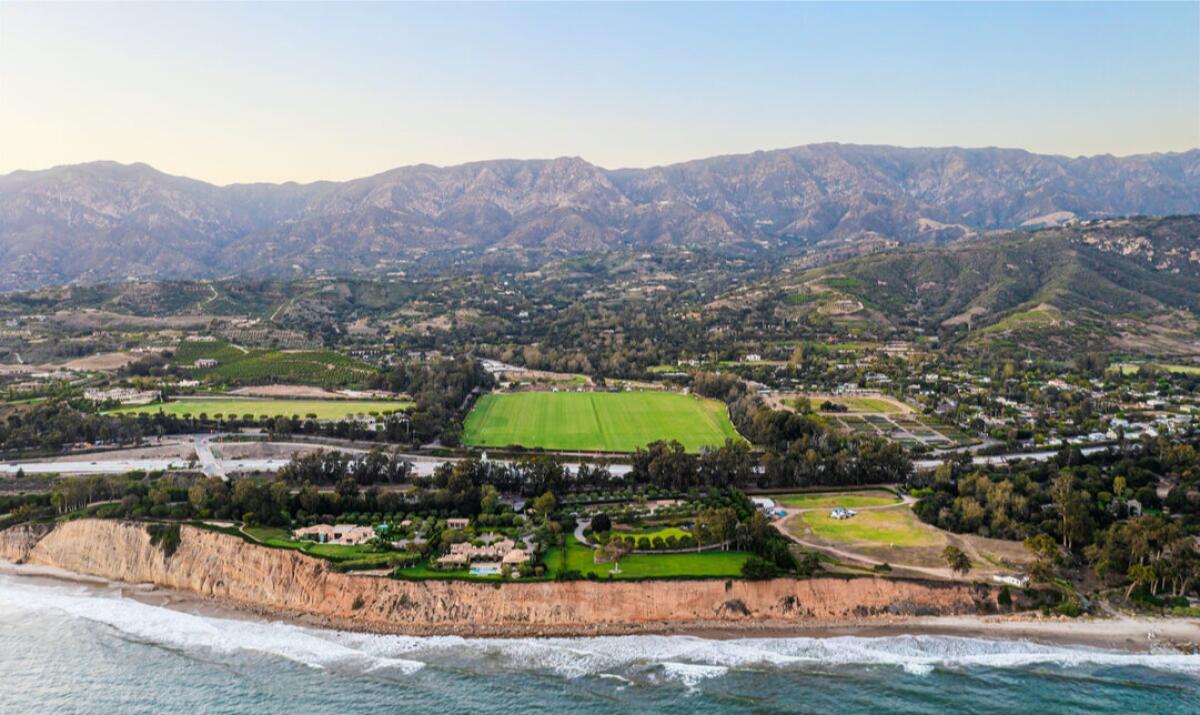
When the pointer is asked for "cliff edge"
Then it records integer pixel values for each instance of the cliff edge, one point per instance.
(226, 568)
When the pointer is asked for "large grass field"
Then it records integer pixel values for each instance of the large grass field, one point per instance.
(323, 409)
(596, 421)
(883, 527)
(827, 500)
(714, 564)
(1129, 368)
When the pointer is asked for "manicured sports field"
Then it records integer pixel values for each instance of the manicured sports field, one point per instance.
(596, 421)
(323, 409)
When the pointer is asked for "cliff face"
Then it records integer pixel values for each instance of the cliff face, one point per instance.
(227, 568)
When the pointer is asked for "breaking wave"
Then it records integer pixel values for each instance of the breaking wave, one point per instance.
(683, 660)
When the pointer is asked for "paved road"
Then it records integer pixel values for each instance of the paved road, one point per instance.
(208, 461)
(580, 525)
(996, 459)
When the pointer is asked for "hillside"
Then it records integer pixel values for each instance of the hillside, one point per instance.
(103, 221)
(1131, 285)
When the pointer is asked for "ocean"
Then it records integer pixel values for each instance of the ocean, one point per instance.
(70, 648)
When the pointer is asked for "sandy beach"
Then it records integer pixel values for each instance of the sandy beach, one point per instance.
(1127, 633)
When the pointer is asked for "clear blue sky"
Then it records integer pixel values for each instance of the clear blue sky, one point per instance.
(276, 92)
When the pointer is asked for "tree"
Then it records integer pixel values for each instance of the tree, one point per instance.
(489, 502)
(958, 561)
(615, 550)
(601, 523)
(544, 506)
(757, 568)
(1072, 506)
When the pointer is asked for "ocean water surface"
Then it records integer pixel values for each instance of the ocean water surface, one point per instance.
(68, 648)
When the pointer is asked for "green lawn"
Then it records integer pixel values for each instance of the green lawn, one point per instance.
(849, 500)
(662, 533)
(600, 421)
(861, 404)
(896, 527)
(323, 409)
(282, 539)
(1129, 368)
(714, 564)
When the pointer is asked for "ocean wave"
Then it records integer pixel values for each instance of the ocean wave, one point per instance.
(684, 660)
(688, 658)
(184, 631)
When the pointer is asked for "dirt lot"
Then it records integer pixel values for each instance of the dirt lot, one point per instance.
(268, 450)
(103, 361)
(286, 391)
(165, 451)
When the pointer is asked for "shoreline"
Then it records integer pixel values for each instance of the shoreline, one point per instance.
(1128, 634)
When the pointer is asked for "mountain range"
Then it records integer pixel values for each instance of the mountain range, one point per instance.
(103, 221)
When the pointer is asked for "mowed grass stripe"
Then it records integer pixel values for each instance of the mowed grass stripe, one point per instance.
(323, 409)
(596, 421)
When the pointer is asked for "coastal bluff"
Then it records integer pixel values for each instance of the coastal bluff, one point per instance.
(278, 581)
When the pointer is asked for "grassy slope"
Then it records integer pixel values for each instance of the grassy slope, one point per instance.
(616, 422)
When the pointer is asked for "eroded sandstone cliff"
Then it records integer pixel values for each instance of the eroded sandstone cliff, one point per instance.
(225, 567)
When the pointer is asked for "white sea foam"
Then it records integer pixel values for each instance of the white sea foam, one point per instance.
(684, 660)
(185, 631)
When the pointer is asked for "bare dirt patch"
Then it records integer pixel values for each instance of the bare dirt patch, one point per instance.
(103, 361)
(286, 391)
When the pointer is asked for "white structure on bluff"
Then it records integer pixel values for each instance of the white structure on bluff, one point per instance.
(1018, 580)
(205, 363)
(124, 395)
(464, 553)
(345, 534)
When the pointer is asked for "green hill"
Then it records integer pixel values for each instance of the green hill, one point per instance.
(1122, 284)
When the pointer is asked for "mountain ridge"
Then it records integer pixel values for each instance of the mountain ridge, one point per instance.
(104, 221)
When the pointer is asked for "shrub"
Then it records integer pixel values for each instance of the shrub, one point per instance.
(1005, 597)
(643, 543)
(601, 523)
(757, 568)
(164, 536)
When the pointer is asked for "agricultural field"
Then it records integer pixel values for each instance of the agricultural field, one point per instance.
(909, 429)
(596, 421)
(710, 564)
(828, 500)
(242, 366)
(323, 409)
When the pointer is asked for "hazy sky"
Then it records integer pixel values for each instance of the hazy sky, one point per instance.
(281, 92)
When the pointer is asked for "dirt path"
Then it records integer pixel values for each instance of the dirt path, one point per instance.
(906, 502)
